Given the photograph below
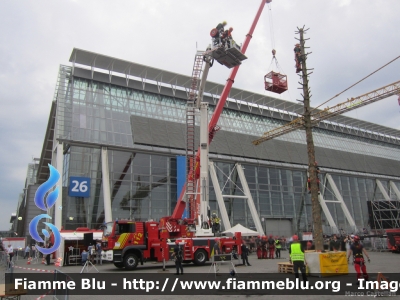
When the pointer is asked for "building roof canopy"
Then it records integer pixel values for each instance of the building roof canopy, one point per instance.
(175, 80)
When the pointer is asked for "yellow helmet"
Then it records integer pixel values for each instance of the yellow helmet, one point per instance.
(224, 23)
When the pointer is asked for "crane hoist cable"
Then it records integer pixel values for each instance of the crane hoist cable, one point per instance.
(274, 81)
(271, 26)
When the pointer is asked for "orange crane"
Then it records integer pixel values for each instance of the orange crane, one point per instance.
(348, 105)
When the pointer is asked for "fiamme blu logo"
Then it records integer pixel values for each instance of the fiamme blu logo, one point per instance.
(41, 204)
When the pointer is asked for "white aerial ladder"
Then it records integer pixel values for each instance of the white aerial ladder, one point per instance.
(201, 210)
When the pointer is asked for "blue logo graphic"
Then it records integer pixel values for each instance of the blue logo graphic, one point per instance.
(40, 203)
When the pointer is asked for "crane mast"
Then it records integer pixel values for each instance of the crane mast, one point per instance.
(212, 126)
(346, 106)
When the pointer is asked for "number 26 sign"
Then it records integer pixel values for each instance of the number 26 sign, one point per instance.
(79, 187)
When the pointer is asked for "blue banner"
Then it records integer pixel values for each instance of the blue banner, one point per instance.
(181, 179)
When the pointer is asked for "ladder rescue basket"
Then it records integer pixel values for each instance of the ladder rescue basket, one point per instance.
(275, 82)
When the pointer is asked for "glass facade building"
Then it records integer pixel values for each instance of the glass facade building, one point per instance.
(142, 124)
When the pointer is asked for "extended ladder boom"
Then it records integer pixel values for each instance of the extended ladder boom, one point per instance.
(348, 105)
(212, 127)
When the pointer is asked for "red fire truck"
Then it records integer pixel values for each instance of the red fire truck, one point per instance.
(126, 243)
(393, 239)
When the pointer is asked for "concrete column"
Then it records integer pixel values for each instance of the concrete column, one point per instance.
(395, 189)
(382, 189)
(250, 201)
(58, 204)
(106, 185)
(341, 201)
(220, 199)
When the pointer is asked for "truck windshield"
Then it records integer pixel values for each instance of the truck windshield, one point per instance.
(108, 229)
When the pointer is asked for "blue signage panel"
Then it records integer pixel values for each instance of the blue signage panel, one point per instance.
(79, 187)
(181, 179)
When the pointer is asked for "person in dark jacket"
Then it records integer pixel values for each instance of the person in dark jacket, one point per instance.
(278, 247)
(48, 256)
(218, 33)
(271, 247)
(178, 257)
(245, 254)
(335, 244)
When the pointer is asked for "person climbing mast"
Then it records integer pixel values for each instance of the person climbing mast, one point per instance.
(298, 57)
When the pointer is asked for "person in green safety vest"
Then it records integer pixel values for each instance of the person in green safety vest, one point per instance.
(278, 247)
(297, 258)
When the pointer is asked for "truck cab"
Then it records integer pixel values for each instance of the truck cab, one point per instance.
(126, 243)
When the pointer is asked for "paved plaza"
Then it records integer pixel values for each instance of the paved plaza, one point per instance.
(384, 262)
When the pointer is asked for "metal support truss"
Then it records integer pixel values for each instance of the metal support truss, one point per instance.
(385, 211)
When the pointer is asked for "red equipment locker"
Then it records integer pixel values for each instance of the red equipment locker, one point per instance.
(275, 82)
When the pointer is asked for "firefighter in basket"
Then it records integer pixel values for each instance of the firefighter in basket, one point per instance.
(217, 33)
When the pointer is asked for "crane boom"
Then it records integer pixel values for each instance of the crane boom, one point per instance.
(353, 103)
(348, 105)
(212, 126)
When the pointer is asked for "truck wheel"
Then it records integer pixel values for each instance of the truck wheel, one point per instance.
(200, 257)
(130, 261)
(119, 265)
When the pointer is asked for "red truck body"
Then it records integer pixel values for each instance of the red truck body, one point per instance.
(126, 243)
(393, 239)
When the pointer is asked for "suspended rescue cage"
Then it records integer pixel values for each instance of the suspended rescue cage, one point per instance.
(275, 82)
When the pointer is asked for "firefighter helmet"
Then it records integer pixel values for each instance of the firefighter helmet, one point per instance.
(295, 238)
(224, 23)
(356, 238)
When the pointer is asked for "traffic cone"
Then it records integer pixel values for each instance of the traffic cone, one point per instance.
(58, 262)
(43, 261)
(29, 261)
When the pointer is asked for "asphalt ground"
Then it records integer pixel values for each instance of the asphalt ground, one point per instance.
(384, 262)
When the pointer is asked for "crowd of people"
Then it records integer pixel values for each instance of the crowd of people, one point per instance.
(268, 247)
(265, 247)
(9, 253)
(93, 252)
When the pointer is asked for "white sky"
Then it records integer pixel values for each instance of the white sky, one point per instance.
(349, 39)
